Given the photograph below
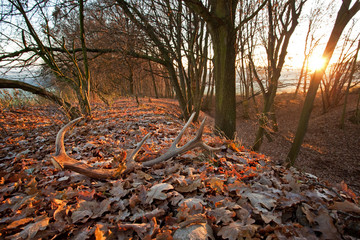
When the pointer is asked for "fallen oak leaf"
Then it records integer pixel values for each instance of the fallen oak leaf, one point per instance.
(222, 215)
(194, 232)
(238, 230)
(345, 206)
(142, 229)
(83, 215)
(149, 215)
(193, 219)
(30, 230)
(261, 201)
(20, 222)
(216, 184)
(99, 234)
(189, 187)
(192, 205)
(165, 235)
(90, 209)
(86, 195)
(326, 225)
(156, 192)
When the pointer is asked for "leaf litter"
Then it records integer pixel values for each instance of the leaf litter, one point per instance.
(231, 194)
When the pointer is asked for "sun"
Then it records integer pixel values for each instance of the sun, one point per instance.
(316, 63)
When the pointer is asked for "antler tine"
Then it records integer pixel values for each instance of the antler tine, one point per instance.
(62, 161)
(137, 149)
(59, 143)
(197, 140)
(174, 150)
(178, 138)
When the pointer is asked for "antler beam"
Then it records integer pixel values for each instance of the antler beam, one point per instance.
(62, 161)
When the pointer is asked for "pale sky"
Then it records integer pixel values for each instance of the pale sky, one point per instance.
(296, 47)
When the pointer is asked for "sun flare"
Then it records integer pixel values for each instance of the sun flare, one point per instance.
(316, 63)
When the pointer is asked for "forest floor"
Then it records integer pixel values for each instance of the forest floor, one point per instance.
(328, 152)
(231, 194)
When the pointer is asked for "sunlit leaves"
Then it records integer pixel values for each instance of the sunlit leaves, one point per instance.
(233, 194)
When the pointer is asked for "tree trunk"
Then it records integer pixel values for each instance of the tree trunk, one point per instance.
(353, 68)
(84, 80)
(343, 17)
(67, 108)
(224, 71)
(153, 80)
(264, 118)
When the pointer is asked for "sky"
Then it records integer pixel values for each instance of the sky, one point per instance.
(297, 42)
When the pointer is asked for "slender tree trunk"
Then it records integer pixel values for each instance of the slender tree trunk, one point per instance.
(300, 78)
(153, 81)
(85, 80)
(353, 67)
(264, 118)
(343, 17)
(357, 111)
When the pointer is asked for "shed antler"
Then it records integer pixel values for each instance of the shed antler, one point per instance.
(63, 161)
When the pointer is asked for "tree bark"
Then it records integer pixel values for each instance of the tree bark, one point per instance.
(224, 71)
(221, 22)
(343, 17)
(353, 68)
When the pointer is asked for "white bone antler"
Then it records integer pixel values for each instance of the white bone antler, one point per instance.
(63, 161)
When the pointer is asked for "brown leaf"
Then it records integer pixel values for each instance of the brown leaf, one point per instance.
(32, 229)
(166, 235)
(104, 206)
(237, 186)
(86, 195)
(149, 215)
(346, 206)
(189, 187)
(306, 209)
(222, 215)
(193, 205)
(142, 229)
(118, 190)
(326, 225)
(194, 232)
(237, 230)
(20, 222)
(259, 201)
(85, 210)
(156, 192)
(31, 187)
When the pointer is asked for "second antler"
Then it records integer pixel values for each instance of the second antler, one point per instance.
(63, 161)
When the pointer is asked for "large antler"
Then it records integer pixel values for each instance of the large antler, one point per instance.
(63, 161)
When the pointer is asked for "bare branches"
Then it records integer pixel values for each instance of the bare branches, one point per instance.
(69, 110)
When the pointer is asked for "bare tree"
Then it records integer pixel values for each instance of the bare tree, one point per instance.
(247, 42)
(281, 19)
(315, 19)
(173, 35)
(333, 82)
(221, 19)
(38, 42)
(350, 78)
(344, 15)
